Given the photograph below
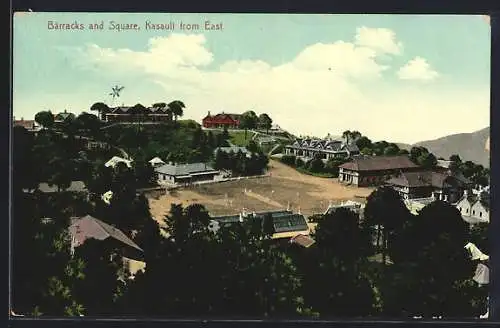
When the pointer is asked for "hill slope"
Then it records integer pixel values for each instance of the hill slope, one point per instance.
(470, 146)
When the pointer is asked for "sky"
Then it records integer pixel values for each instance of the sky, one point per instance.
(400, 78)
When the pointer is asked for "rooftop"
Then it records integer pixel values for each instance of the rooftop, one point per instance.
(83, 228)
(184, 169)
(379, 163)
(284, 221)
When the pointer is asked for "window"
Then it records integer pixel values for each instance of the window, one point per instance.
(480, 214)
(473, 212)
(467, 211)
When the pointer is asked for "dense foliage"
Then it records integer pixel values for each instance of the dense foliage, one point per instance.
(389, 263)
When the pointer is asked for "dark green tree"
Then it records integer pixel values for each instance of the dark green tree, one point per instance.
(45, 119)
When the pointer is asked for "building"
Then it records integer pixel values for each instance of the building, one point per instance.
(286, 223)
(424, 184)
(230, 121)
(474, 208)
(87, 227)
(64, 117)
(137, 114)
(175, 174)
(366, 171)
(356, 207)
(325, 148)
(29, 125)
(156, 162)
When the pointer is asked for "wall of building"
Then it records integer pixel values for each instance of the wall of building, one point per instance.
(464, 207)
(478, 211)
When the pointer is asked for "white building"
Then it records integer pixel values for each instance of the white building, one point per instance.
(474, 208)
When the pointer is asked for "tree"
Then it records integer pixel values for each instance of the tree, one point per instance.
(316, 165)
(43, 271)
(391, 150)
(338, 259)
(385, 214)
(45, 119)
(253, 147)
(347, 136)
(416, 153)
(61, 174)
(364, 142)
(355, 136)
(101, 286)
(265, 122)
(90, 122)
(225, 134)
(433, 272)
(427, 160)
(248, 121)
(22, 160)
(177, 108)
(101, 109)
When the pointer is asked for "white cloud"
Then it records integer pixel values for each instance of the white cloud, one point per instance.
(417, 69)
(326, 88)
(382, 40)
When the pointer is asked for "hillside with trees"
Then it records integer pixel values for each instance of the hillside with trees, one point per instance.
(197, 268)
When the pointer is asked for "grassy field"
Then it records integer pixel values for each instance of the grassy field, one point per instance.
(238, 137)
(284, 188)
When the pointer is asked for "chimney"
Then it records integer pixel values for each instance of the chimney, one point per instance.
(208, 113)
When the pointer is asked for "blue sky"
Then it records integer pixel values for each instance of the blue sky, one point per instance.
(404, 78)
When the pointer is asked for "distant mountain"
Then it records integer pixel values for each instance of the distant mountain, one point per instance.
(469, 146)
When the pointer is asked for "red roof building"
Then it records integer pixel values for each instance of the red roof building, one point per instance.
(231, 121)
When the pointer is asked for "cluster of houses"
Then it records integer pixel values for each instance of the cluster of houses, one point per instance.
(323, 148)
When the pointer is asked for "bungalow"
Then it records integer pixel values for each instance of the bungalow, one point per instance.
(374, 170)
(286, 223)
(424, 184)
(185, 173)
(325, 148)
(230, 121)
(115, 160)
(474, 208)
